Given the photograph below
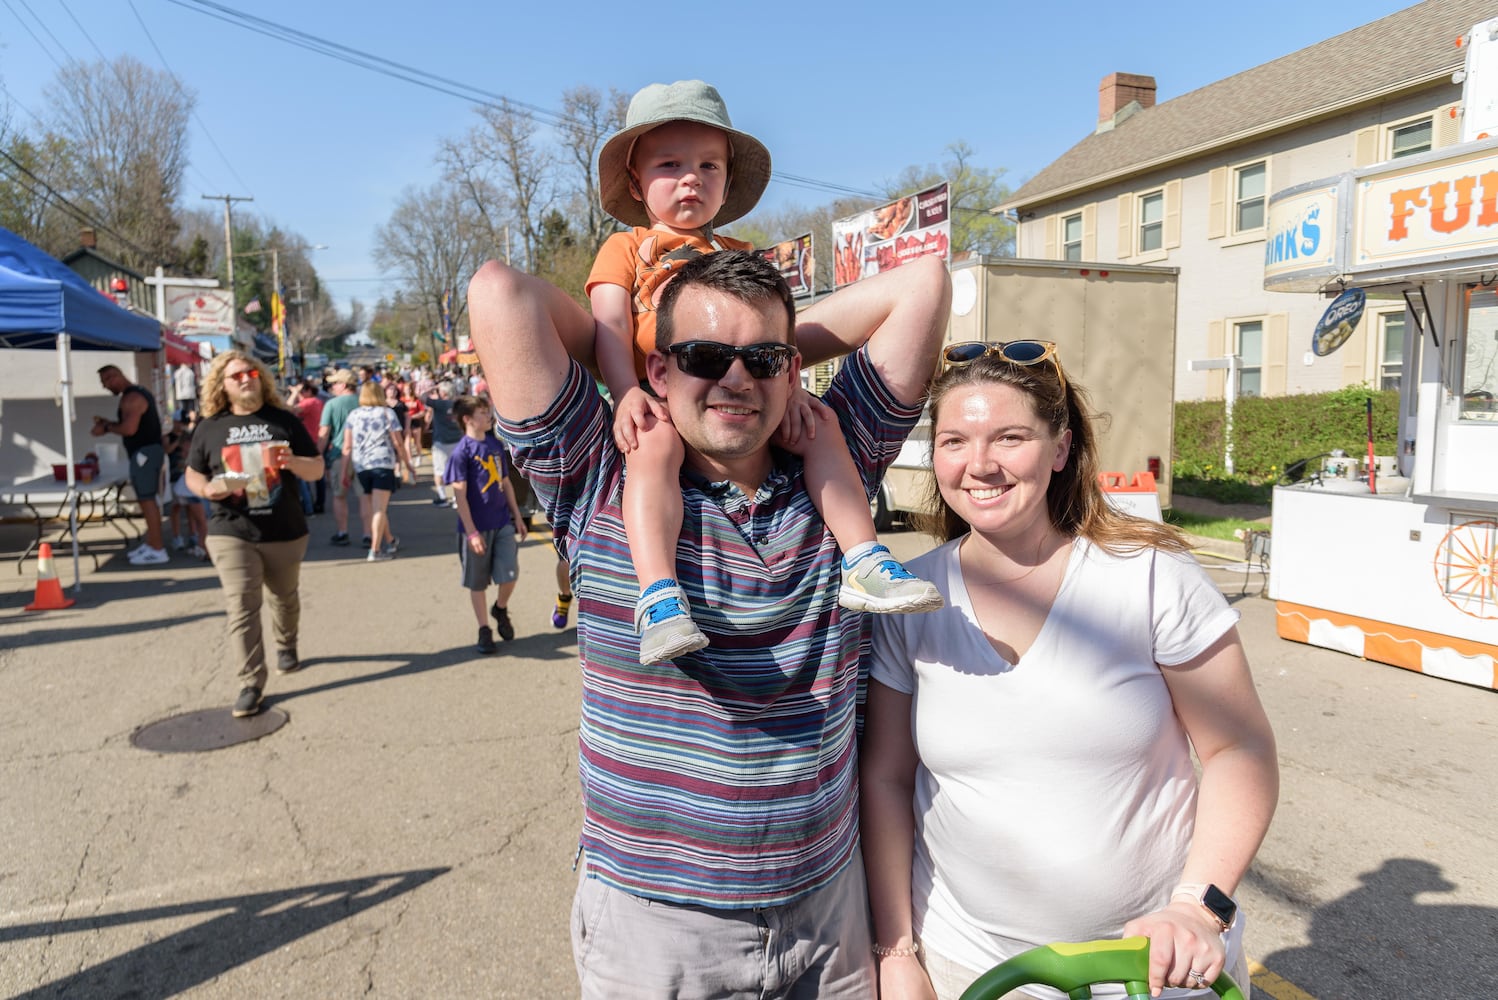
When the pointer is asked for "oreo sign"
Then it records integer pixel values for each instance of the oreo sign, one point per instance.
(1338, 322)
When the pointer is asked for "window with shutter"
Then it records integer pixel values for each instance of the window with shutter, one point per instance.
(1365, 147)
(1071, 237)
(1448, 125)
(1051, 225)
(1089, 232)
(1172, 232)
(1275, 354)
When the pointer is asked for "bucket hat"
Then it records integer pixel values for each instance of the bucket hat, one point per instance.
(682, 101)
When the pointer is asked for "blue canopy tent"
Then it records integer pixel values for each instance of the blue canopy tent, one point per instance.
(45, 304)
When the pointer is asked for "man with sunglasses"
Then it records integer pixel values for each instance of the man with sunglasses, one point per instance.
(718, 787)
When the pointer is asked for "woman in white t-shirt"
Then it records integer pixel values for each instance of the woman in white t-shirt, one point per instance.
(373, 448)
(1026, 772)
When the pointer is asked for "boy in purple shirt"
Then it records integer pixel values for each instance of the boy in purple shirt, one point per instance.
(478, 470)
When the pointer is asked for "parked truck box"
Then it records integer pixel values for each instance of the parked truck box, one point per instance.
(1114, 330)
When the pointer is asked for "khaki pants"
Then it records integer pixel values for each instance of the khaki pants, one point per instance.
(243, 569)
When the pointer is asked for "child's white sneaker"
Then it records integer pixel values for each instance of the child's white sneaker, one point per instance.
(878, 582)
(664, 620)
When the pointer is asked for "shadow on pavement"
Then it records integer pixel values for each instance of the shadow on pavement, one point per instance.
(1403, 947)
(255, 924)
(538, 647)
(68, 633)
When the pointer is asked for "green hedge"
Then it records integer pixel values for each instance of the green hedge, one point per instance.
(1270, 433)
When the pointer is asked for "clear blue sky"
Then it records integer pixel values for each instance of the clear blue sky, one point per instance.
(840, 97)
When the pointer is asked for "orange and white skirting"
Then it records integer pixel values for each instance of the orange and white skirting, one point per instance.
(1443, 656)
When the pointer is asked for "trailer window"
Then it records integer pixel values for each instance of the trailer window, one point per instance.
(1480, 364)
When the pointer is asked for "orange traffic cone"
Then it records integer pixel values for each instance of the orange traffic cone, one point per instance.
(48, 589)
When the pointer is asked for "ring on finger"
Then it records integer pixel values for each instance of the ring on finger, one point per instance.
(1196, 977)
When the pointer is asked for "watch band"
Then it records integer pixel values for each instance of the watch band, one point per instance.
(1218, 904)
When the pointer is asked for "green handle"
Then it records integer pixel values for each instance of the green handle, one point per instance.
(1073, 966)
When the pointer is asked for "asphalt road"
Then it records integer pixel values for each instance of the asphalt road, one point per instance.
(410, 831)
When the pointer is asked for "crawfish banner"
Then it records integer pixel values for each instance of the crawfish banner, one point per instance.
(796, 264)
(883, 238)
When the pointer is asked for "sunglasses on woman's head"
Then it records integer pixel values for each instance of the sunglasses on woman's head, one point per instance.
(1016, 352)
(711, 360)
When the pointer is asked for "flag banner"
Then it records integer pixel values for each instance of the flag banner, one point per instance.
(883, 238)
(252, 307)
(277, 314)
(796, 263)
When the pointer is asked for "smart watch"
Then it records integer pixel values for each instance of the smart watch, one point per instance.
(1210, 898)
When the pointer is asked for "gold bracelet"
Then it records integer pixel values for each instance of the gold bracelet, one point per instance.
(911, 952)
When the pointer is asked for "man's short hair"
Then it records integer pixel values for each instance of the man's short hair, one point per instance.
(739, 274)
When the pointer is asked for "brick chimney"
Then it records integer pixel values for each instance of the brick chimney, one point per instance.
(88, 238)
(1118, 89)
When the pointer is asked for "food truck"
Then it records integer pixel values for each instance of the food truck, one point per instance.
(1400, 564)
(1114, 327)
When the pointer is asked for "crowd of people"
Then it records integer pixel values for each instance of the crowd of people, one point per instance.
(242, 468)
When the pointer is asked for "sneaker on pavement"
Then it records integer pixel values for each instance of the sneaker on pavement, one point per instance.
(502, 622)
(664, 620)
(364, 540)
(439, 501)
(453, 503)
(379, 555)
(137, 550)
(198, 552)
(149, 557)
(287, 661)
(248, 703)
(877, 582)
(560, 611)
(393, 546)
(341, 538)
(180, 544)
(486, 640)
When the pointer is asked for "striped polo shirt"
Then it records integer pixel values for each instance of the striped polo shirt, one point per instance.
(728, 778)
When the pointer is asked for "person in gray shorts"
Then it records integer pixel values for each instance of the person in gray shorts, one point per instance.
(138, 423)
(478, 470)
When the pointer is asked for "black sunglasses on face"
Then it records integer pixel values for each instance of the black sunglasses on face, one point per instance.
(711, 360)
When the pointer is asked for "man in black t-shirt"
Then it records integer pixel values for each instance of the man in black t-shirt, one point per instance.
(247, 455)
(138, 423)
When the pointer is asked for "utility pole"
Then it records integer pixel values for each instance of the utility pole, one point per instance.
(229, 257)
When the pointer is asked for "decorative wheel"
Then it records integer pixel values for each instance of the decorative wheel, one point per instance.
(1466, 565)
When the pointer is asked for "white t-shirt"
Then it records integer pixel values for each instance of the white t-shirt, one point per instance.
(185, 384)
(1055, 798)
(371, 427)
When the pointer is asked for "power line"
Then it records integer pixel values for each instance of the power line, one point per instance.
(432, 81)
(201, 124)
(77, 212)
(39, 43)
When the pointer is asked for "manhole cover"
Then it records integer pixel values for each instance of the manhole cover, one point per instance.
(209, 729)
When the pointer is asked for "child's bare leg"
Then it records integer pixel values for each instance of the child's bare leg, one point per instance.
(873, 580)
(652, 503)
(480, 599)
(652, 524)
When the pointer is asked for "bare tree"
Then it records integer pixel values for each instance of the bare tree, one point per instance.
(589, 119)
(435, 240)
(126, 125)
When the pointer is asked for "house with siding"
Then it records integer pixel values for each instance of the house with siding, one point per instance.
(1185, 183)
